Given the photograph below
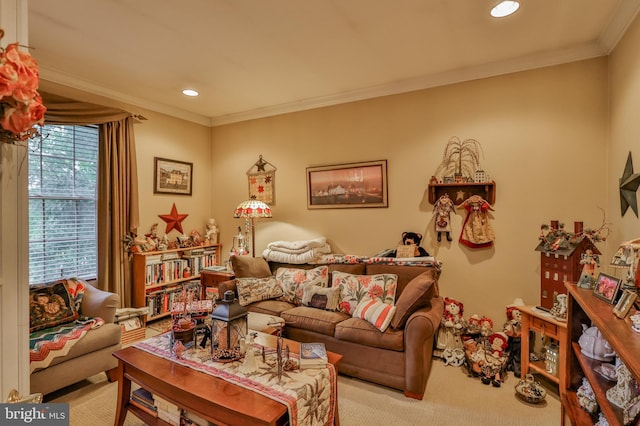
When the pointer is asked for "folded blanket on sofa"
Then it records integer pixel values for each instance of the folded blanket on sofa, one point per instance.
(45, 345)
(302, 246)
(308, 256)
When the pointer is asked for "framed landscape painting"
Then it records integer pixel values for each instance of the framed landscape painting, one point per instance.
(350, 185)
(172, 177)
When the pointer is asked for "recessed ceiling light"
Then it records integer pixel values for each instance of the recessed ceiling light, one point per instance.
(504, 8)
(190, 92)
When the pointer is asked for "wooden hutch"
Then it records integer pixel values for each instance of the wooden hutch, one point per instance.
(561, 264)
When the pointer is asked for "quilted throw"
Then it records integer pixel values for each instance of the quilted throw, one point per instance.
(310, 395)
(45, 345)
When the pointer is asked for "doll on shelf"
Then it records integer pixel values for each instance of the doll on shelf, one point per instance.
(452, 325)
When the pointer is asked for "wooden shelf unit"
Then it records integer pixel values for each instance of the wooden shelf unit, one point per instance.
(143, 284)
(486, 190)
(585, 308)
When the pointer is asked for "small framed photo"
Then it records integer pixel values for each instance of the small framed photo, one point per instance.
(607, 287)
(172, 177)
(624, 304)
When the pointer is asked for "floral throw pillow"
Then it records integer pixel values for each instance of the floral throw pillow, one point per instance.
(293, 281)
(51, 305)
(256, 289)
(356, 288)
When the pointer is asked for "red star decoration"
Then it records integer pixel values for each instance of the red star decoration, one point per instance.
(173, 219)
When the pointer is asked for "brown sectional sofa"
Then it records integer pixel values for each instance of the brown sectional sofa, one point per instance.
(400, 357)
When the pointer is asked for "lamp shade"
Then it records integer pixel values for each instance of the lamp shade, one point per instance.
(252, 208)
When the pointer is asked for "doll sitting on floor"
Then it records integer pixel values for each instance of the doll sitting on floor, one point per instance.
(452, 325)
(495, 359)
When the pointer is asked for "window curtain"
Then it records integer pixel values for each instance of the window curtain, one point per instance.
(118, 213)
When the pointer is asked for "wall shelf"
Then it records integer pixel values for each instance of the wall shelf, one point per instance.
(460, 191)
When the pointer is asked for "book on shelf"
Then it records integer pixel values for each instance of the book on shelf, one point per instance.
(144, 398)
(313, 355)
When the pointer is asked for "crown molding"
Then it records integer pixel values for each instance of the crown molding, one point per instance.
(576, 53)
(64, 79)
(622, 18)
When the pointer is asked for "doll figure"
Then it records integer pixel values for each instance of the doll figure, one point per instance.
(486, 326)
(211, 234)
(495, 359)
(513, 329)
(589, 262)
(452, 325)
(442, 216)
(477, 231)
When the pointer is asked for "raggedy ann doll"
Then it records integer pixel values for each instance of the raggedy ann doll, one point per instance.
(495, 358)
(452, 325)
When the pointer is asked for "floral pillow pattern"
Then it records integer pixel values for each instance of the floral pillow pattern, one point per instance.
(256, 289)
(356, 288)
(293, 281)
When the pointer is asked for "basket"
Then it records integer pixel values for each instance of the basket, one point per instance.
(530, 391)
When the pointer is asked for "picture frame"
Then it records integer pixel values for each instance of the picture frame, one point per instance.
(627, 299)
(348, 185)
(172, 177)
(607, 287)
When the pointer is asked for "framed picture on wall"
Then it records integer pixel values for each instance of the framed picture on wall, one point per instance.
(172, 177)
(351, 185)
(607, 287)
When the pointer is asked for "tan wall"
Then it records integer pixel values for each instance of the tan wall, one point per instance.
(544, 134)
(625, 129)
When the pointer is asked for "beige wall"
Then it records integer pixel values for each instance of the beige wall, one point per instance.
(544, 134)
(625, 128)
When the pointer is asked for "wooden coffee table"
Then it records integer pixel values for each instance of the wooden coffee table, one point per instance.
(211, 398)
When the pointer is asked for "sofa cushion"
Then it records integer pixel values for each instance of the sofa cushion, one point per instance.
(357, 330)
(50, 305)
(321, 297)
(255, 289)
(270, 307)
(356, 288)
(417, 293)
(317, 320)
(376, 313)
(293, 281)
(250, 267)
(405, 273)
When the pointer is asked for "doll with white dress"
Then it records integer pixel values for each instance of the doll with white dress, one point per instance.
(452, 326)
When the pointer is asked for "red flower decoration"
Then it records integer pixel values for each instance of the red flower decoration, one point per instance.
(21, 106)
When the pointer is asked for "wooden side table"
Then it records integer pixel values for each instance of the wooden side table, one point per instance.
(213, 279)
(544, 323)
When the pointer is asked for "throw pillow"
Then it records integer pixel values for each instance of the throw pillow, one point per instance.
(250, 267)
(76, 288)
(293, 280)
(321, 297)
(417, 293)
(356, 288)
(256, 289)
(376, 313)
(50, 305)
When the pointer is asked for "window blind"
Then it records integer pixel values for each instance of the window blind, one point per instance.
(63, 170)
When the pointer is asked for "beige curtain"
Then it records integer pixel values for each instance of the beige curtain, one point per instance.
(118, 213)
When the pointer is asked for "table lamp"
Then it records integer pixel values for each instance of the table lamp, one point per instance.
(250, 210)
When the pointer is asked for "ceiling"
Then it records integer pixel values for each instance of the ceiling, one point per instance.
(256, 58)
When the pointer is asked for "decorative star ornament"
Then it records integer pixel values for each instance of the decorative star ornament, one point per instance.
(629, 183)
(173, 219)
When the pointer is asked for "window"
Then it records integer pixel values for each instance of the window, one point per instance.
(63, 176)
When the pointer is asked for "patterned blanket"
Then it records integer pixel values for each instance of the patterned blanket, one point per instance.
(45, 345)
(309, 394)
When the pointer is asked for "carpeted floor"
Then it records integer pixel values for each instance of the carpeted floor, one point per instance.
(451, 398)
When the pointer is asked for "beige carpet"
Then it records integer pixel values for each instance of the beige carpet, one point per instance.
(452, 399)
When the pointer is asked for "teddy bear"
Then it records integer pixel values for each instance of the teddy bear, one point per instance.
(412, 238)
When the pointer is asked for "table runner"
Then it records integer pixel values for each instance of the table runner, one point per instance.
(309, 394)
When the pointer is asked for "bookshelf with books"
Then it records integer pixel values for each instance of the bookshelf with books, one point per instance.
(159, 276)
